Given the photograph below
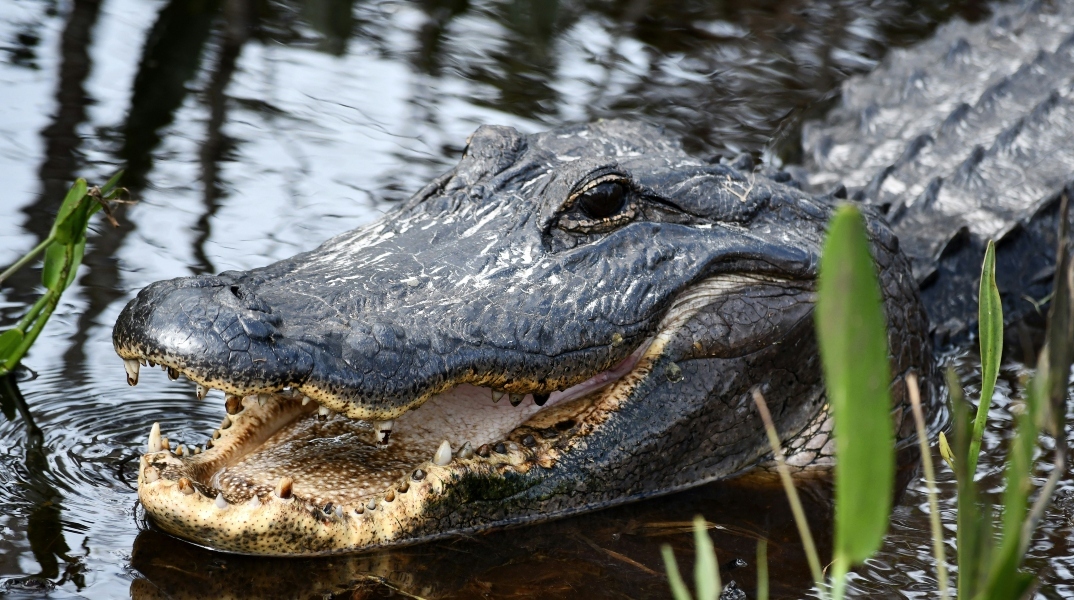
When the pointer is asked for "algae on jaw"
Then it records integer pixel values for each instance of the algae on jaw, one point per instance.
(63, 250)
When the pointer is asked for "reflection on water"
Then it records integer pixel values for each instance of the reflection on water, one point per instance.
(251, 130)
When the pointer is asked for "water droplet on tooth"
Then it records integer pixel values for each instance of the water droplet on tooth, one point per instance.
(382, 430)
(540, 399)
(233, 405)
(443, 454)
(497, 395)
(220, 502)
(131, 365)
(154, 438)
(283, 487)
(467, 451)
(516, 399)
(173, 373)
(186, 486)
(200, 391)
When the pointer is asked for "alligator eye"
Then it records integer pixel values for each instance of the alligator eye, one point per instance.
(603, 200)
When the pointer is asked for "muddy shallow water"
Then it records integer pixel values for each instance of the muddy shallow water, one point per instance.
(253, 129)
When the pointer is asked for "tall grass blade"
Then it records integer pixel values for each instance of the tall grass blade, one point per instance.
(852, 334)
(792, 493)
(706, 570)
(762, 569)
(974, 527)
(678, 586)
(990, 332)
(930, 481)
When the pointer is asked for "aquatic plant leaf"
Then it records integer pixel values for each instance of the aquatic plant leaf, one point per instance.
(945, 451)
(678, 586)
(706, 570)
(990, 332)
(70, 202)
(852, 334)
(762, 570)
(974, 525)
(55, 260)
(9, 340)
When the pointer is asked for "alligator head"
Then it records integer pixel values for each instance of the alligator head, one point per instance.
(564, 321)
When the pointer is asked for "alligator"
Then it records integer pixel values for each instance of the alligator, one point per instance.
(574, 319)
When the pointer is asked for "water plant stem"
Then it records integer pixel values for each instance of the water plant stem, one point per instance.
(930, 481)
(790, 490)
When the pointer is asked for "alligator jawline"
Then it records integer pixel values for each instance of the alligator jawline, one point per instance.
(282, 462)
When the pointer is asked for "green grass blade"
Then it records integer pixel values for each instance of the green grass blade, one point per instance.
(762, 570)
(706, 570)
(852, 334)
(930, 480)
(678, 586)
(974, 528)
(990, 332)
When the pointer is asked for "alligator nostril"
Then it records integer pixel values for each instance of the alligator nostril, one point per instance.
(235, 292)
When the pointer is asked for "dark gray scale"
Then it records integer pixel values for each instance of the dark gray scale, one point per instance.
(981, 150)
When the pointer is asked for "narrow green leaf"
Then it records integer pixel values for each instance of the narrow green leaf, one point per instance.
(110, 186)
(678, 586)
(762, 569)
(706, 570)
(55, 260)
(9, 340)
(852, 334)
(974, 528)
(990, 332)
(76, 259)
(945, 451)
(70, 203)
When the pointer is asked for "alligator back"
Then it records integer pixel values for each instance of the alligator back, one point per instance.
(966, 137)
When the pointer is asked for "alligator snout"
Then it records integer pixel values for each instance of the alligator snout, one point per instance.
(215, 327)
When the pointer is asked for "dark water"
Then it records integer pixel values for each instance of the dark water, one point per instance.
(254, 129)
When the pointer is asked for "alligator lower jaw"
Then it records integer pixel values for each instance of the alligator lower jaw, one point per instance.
(284, 476)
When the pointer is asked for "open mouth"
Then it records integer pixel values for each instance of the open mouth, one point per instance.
(284, 474)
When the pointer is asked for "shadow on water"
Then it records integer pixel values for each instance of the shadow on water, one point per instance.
(252, 130)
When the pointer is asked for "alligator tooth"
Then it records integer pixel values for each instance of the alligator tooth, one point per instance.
(254, 501)
(305, 400)
(225, 423)
(200, 391)
(220, 502)
(131, 366)
(372, 504)
(262, 398)
(323, 411)
(283, 487)
(180, 450)
(382, 430)
(529, 441)
(483, 450)
(516, 399)
(142, 362)
(390, 496)
(418, 475)
(173, 373)
(467, 451)
(497, 395)
(233, 405)
(151, 363)
(165, 444)
(443, 454)
(540, 399)
(154, 438)
(216, 434)
(339, 512)
(405, 487)
(197, 450)
(151, 474)
(185, 486)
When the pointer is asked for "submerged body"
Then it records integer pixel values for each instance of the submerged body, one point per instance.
(564, 321)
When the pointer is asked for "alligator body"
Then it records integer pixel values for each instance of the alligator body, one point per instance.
(573, 319)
